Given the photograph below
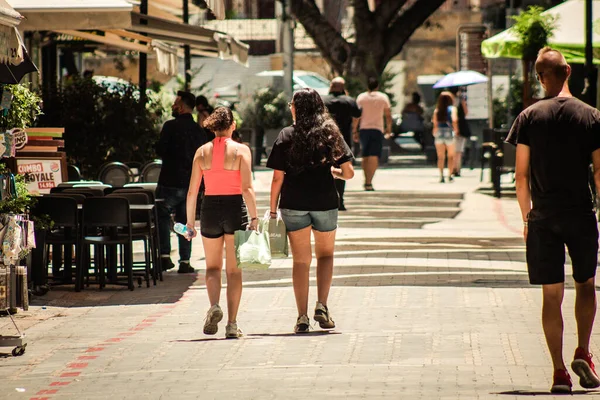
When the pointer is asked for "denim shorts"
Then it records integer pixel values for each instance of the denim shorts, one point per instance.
(444, 136)
(322, 221)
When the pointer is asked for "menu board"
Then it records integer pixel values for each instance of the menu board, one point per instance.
(41, 174)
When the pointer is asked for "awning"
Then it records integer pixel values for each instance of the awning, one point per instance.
(204, 41)
(166, 55)
(80, 15)
(8, 16)
(568, 37)
(46, 15)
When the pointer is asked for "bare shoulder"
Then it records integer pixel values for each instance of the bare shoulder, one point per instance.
(242, 149)
(203, 149)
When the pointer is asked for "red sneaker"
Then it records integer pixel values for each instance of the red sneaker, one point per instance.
(562, 382)
(584, 368)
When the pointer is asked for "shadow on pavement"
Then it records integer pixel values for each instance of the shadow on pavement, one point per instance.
(169, 291)
(212, 339)
(547, 393)
(293, 334)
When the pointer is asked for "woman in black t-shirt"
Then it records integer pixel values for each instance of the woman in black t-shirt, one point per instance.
(306, 158)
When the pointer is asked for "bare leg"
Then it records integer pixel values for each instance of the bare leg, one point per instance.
(553, 322)
(457, 162)
(585, 311)
(370, 165)
(234, 279)
(441, 157)
(302, 255)
(324, 246)
(213, 250)
(450, 159)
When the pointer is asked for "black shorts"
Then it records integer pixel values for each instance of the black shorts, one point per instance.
(222, 215)
(371, 142)
(546, 242)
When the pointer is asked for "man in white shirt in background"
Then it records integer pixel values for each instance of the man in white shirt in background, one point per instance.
(375, 106)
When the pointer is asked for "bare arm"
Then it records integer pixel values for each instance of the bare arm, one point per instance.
(455, 122)
(345, 172)
(434, 122)
(355, 122)
(522, 181)
(276, 184)
(388, 122)
(192, 195)
(247, 188)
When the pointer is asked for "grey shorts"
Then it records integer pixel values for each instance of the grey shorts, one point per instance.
(459, 143)
(322, 221)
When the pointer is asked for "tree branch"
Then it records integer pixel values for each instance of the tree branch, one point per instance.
(333, 46)
(387, 11)
(405, 25)
(363, 18)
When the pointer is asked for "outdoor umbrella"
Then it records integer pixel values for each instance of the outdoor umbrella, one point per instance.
(460, 78)
(12, 74)
(568, 36)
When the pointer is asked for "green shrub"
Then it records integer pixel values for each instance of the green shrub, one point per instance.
(24, 108)
(104, 123)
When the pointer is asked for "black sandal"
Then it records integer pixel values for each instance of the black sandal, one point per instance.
(369, 188)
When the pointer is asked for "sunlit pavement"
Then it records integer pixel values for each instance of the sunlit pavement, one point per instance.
(430, 298)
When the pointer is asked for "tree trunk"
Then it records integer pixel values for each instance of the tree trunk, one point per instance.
(379, 35)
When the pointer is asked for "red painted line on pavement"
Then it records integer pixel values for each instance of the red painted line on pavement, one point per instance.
(502, 218)
(70, 374)
(146, 323)
(94, 349)
(48, 391)
(77, 365)
(87, 357)
(60, 383)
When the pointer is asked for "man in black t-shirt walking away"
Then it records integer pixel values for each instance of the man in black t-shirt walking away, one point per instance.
(344, 111)
(556, 138)
(179, 140)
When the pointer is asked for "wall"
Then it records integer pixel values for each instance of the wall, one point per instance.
(107, 67)
(432, 51)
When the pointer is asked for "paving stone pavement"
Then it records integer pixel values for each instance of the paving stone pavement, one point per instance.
(430, 298)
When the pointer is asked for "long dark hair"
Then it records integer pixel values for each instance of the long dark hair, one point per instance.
(317, 139)
(444, 101)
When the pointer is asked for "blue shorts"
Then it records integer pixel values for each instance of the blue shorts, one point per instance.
(371, 142)
(322, 221)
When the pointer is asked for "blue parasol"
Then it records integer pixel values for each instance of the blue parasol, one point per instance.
(460, 78)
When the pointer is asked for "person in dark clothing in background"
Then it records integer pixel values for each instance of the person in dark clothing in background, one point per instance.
(344, 111)
(204, 110)
(464, 132)
(179, 140)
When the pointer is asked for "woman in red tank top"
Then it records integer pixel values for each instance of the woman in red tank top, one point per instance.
(229, 204)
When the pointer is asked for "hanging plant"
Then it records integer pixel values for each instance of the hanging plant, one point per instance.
(24, 108)
(533, 28)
